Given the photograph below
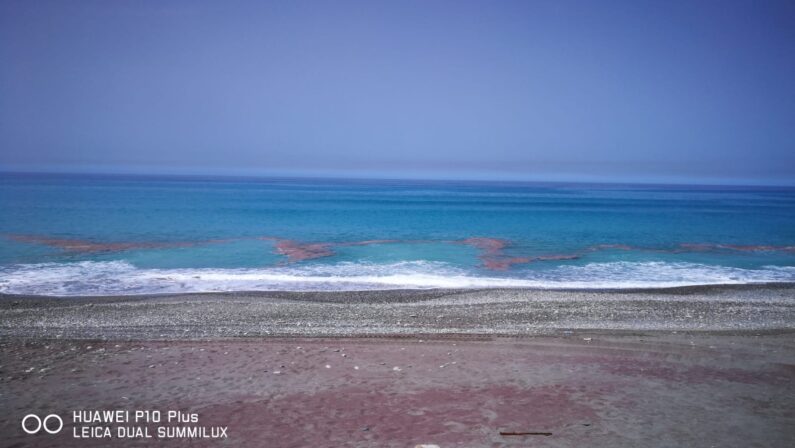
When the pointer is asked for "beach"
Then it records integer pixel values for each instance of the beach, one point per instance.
(506, 312)
(695, 366)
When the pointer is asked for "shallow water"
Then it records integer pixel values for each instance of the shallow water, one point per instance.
(72, 235)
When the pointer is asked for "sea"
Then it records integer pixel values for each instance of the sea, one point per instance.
(75, 235)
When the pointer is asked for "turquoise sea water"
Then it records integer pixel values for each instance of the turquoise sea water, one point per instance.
(73, 235)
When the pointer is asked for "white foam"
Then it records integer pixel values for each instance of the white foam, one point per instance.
(122, 278)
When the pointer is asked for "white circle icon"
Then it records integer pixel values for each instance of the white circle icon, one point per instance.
(25, 426)
(49, 424)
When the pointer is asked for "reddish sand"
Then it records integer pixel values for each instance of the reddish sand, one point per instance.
(670, 390)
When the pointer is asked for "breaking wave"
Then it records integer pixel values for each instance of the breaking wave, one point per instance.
(122, 278)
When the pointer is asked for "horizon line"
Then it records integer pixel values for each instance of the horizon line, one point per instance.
(330, 176)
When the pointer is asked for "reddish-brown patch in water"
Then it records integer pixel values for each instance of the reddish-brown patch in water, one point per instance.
(501, 264)
(71, 245)
(556, 257)
(493, 257)
(707, 247)
(491, 253)
(752, 248)
(599, 247)
(295, 251)
(695, 247)
(365, 242)
(86, 246)
(489, 246)
(299, 251)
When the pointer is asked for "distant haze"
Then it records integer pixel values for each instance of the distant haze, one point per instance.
(680, 91)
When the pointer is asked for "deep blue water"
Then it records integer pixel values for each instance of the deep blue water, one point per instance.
(70, 234)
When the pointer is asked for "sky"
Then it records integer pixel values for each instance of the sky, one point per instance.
(676, 91)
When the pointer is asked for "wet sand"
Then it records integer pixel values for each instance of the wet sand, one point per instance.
(686, 367)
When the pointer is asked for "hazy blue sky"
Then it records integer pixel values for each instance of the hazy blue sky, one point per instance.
(595, 90)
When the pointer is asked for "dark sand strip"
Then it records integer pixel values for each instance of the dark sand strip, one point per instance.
(511, 312)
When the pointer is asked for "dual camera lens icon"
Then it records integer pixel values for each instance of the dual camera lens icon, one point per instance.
(32, 424)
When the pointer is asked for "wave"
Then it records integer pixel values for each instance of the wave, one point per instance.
(122, 278)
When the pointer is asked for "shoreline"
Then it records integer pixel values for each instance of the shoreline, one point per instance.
(680, 289)
(728, 309)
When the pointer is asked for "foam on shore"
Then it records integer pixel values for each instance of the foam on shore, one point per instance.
(121, 278)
